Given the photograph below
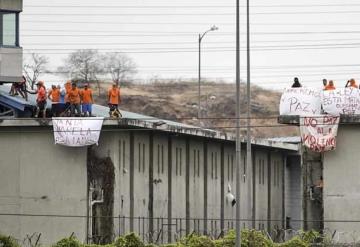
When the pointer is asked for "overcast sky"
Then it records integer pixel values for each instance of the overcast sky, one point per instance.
(310, 39)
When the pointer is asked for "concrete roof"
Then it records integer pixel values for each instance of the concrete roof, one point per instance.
(295, 119)
(133, 120)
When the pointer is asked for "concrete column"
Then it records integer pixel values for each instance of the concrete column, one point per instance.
(205, 185)
(187, 185)
(169, 187)
(269, 192)
(222, 193)
(151, 186)
(132, 164)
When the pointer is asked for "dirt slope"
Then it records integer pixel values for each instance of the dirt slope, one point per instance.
(178, 102)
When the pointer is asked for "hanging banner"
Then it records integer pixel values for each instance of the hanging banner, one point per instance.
(301, 101)
(341, 101)
(318, 133)
(77, 132)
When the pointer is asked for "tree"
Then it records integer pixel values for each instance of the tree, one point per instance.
(119, 66)
(34, 66)
(83, 65)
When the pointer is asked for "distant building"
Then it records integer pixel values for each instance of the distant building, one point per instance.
(159, 178)
(10, 50)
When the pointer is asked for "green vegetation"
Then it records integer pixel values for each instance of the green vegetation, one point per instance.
(250, 238)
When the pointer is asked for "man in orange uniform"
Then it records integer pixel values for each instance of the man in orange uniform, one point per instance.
(114, 98)
(40, 99)
(54, 96)
(67, 87)
(74, 100)
(330, 86)
(87, 100)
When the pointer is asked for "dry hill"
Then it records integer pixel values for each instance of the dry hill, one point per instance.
(178, 102)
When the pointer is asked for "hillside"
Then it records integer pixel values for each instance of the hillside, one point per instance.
(178, 102)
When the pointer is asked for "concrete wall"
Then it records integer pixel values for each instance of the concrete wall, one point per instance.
(261, 189)
(276, 190)
(13, 5)
(341, 179)
(293, 192)
(38, 177)
(10, 64)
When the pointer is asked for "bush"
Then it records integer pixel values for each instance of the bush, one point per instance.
(194, 240)
(7, 241)
(68, 242)
(129, 240)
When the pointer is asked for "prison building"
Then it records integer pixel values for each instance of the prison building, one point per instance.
(158, 178)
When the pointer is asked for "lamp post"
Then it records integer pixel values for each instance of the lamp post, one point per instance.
(201, 36)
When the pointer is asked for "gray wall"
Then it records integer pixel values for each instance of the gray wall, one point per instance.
(10, 64)
(39, 177)
(13, 5)
(341, 184)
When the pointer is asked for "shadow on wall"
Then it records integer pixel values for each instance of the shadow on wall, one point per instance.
(101, 178)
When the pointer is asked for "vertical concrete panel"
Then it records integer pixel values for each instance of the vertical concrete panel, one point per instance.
(229, 179)
(276, 182)
(160, 187)
(178, 196)
(214, 188)
(196, 187)
(141, 183)
(261, 187)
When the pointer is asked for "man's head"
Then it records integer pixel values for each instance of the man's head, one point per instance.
(86, 85)
(296, 79)
(73, 85)
(53, 86)
(58, 87)
(324, 82)
(40, 84)
(114, 85)
(331, 83)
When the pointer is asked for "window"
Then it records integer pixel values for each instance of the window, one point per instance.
(9, 28)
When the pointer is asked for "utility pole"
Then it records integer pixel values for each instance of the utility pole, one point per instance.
(238, 142)
(248, 112)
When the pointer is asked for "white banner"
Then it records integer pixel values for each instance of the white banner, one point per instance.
(301, 101)
(77, 132)
(318, 133)
(341, 101)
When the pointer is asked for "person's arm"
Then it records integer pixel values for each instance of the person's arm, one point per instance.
(119, 96)
(91, 97)
(49, 94)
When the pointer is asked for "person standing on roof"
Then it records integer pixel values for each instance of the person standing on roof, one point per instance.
(54, 96)
(74, 100)
(325, 83)
(296, 83)
(67, 87)
(40, 99)
(330, 86)
(351, 83)
(114, 99)
(87, 100)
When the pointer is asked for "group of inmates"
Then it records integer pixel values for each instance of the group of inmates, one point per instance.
(328, 85)
(67, 101)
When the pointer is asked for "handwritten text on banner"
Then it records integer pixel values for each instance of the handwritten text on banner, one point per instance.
(318, 133)
(77, 132)
(300, 101)
(341, 101)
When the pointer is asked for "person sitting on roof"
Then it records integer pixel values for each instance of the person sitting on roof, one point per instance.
(114, 100)
(351, 83)
(54, 96)
(87, 100)
(40, 99)
(330, 86)
(19, 88)
(74, 100)
(296, 83)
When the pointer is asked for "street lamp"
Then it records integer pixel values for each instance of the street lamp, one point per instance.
(201, 36)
